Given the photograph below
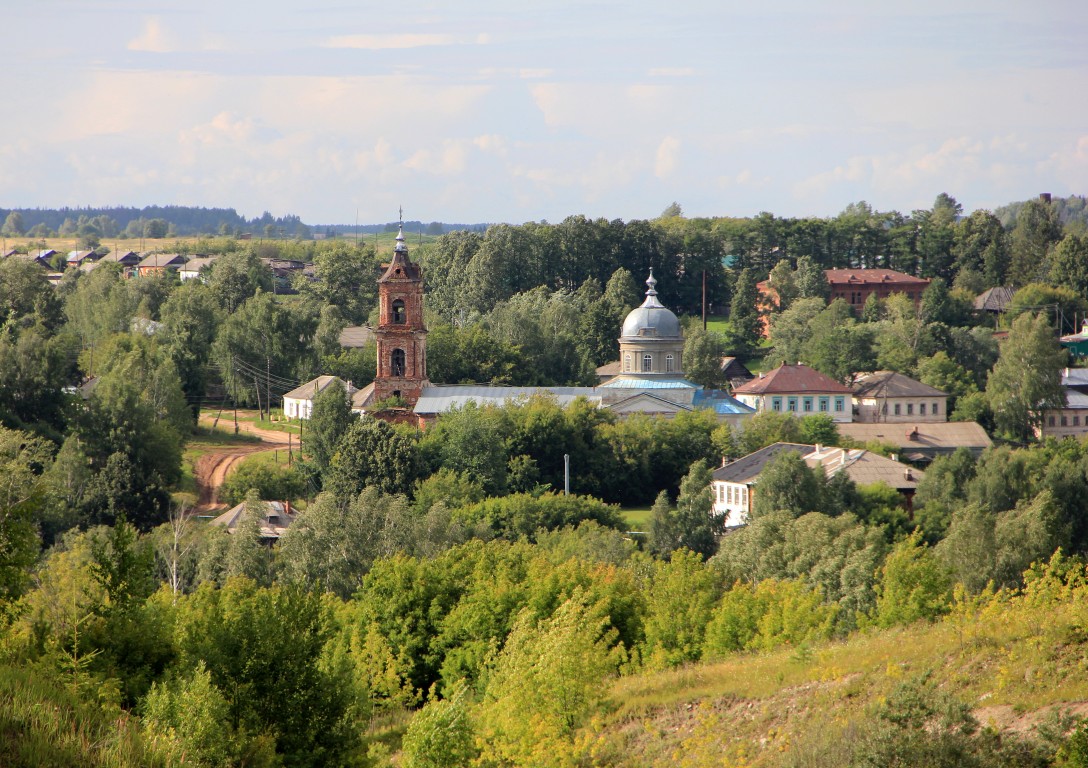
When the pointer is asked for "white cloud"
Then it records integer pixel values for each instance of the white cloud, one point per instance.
(389, 42)
(490, 142)
(153, 38)
(450, 160)
(667, 152)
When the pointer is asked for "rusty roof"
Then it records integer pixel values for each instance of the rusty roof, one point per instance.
(791, 379)
(872, 277)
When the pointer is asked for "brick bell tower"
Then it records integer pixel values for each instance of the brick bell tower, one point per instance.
(401, 335)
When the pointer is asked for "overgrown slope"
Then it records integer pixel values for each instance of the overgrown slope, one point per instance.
(1019, 663)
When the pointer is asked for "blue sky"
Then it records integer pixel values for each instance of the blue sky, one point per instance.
(514, 111)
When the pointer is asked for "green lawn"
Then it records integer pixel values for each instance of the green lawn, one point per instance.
(718, 324)
(637, 519)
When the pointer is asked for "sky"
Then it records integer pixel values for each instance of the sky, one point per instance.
(526, 110)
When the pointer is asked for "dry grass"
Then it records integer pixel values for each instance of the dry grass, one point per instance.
(1012, 663)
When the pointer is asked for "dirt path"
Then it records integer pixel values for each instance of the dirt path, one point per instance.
(212, 468)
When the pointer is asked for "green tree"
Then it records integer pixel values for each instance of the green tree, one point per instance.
(691, 525)
(262, 340)
(745, 323)
(1069, 264)
(545, 682)
(334, 545)
(703, 353)
(791, 330)
(788, 483)
(783, 282)
(13, 225)
(914, 585)
(23, 458)
(768, 428)
(190, 321)
(837, 345)
(1037, 230)
(330, 419)
(980, 243)
(811, 281)
(372, 453)
(681, 596)
(441, 735)
(1026, 379)
(193, 715)
(236, 277)
(264, 651)
(246, 553)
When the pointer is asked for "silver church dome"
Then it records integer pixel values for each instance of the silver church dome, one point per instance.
(651, 320)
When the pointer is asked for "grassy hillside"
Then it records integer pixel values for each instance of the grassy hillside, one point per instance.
(1018, 663)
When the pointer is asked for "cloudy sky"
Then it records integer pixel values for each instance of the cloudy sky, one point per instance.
(517, 110)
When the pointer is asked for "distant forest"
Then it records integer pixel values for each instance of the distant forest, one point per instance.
(185, 220)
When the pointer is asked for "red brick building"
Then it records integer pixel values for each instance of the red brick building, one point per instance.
(854, 286)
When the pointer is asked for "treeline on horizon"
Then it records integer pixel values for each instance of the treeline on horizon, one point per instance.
(199, 220)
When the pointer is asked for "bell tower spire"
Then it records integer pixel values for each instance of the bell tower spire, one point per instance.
(401, 334)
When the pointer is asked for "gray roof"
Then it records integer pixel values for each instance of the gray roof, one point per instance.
(163, 260)
(994, 299)
(356, 336)
(865, 467)
(441, 399)
(893, 384)
(1075, 399)
(278, 516)
(931, 437)
(747, 468)
(310, 389)
(195, 265)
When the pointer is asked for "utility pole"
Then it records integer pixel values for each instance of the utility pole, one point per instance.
(704, 299)
(566, 474)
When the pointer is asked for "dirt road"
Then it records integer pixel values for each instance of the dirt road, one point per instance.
(212, 468)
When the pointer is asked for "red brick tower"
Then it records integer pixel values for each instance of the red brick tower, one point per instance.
(401, 335)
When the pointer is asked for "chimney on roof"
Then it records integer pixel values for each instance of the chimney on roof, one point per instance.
(907, 474)
(913, 434)
(724, 461)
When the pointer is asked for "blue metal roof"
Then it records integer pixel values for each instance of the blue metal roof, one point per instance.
(624, 383)
(721, 403)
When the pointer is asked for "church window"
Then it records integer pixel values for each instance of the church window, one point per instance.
(668, 363)
(647, 363)
(627, 362)
(397, 362)
(398, 312)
